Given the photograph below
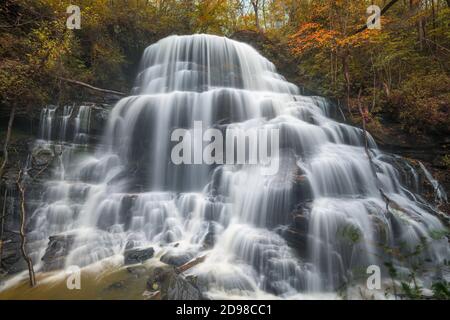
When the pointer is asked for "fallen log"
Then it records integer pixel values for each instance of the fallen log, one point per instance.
(190, 264)
(91, 87)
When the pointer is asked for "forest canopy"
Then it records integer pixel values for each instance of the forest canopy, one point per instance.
(400, 72)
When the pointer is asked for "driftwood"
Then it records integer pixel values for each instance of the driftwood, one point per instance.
(190, 264)
(91, 87)
(27, 259)
(152, 295)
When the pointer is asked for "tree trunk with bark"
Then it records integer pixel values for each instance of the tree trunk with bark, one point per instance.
(8, 137)
(255, 4)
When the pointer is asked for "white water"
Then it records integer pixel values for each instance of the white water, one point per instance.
(129, 192)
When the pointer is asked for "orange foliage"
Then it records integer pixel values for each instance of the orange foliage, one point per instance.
(313, 36)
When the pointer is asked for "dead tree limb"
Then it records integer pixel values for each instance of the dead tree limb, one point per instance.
(27, 259)
(190, 264)
(8, 137)
(91, 87)
(383, 11)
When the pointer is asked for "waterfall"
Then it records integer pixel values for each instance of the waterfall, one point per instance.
(305, 230)
(55, 124)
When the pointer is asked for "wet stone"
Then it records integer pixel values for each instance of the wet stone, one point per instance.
(57, 250)
(172, 286)
(138, 255)
(177, 258)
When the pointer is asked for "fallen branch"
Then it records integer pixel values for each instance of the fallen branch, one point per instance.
(152, 295)
(91, 87)
(437, 45)
(22, 229)
(190, 264)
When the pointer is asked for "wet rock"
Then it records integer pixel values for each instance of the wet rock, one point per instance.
(300, 216)
(119, 285)
(171, 285)
(57, 250)
(302, 191)
(99, 118)
(181, 289)
(297, 240)
(138, 255)
(137, 270)
(209, 240)
(12, 260)
(126, 214)
(177, 258)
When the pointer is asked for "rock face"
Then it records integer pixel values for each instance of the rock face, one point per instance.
(171, 285)
(12, 260)
(57, 250)
(138, 255)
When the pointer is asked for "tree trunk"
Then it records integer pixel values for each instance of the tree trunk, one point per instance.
(22, 230)
(255, 8)
(345, 69)
(2, 224)
(8, 137)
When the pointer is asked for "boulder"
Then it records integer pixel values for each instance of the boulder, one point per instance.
(57, 250)
(297, 240)
(177, 259)
(171, 285)
(138, 255)
(12, 260)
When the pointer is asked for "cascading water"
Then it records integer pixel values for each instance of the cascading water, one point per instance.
(56, 127)
(282, 234)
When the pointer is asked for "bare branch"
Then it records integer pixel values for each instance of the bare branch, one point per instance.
(91, 87)
(190, 264)
(27, 259)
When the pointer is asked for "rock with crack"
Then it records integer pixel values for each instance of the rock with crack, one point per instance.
(57, 250)
(171, 285)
